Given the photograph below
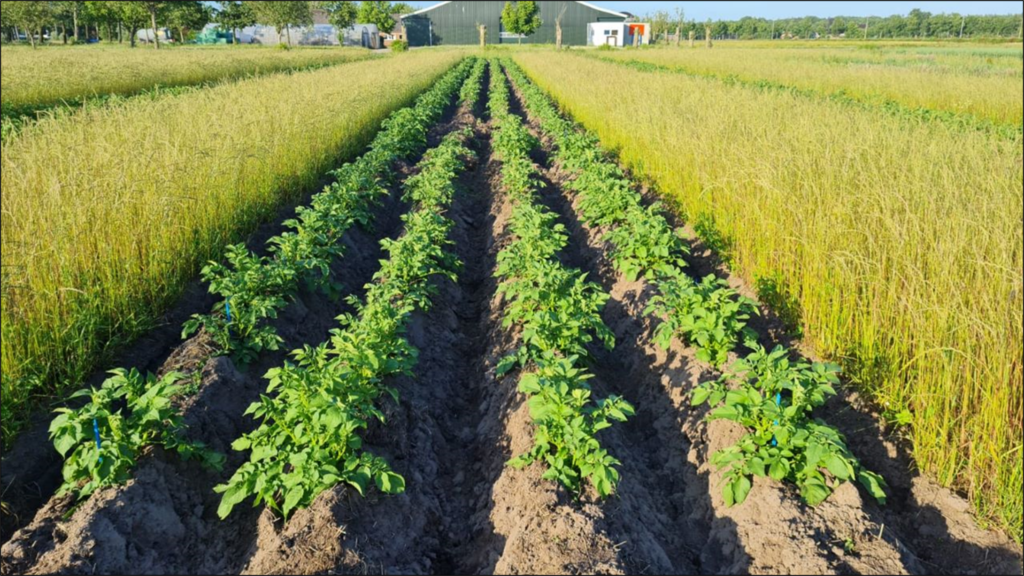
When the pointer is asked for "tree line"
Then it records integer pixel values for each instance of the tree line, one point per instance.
(120, 21)
(916, 24)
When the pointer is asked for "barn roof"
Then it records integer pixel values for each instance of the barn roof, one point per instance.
(587, 4)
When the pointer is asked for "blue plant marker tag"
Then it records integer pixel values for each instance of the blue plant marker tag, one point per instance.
(778, 402)
(96, 433)
(227, 310)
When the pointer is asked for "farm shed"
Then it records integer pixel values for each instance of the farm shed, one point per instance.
(456, 23)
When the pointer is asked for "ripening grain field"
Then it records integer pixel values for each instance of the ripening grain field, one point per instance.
(468, 311)
(33, 79)
(982, 83)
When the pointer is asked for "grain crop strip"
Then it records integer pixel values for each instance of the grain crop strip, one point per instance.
(15, 122)
(701, 530)
(215, 413)
(42, 82)
(888, 106)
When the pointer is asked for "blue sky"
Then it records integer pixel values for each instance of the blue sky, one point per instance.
(736, 10)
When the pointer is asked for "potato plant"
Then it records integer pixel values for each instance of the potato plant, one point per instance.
(646, 246)
(559, 313)
(470, 93)
(774, 400)
(254, 289)
(129, 413)
(567, 422)
(557, 308)
(317, 408)
(710, 316)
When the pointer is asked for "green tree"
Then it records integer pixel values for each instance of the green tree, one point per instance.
(839, 27)
(378, 14)
(402, 8)
(341, 15)
(156, 11)
(283, 15)
(70, 11)
(187, 17)
(133, 15)
(233, 16)
(660, 23)
(29, 16)
(5, 23)
(522, 18)
(917, 22)
(103, 13)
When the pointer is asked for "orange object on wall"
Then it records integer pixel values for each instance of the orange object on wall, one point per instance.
(636, 29)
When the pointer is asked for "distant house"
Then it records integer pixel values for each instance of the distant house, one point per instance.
(397, 31)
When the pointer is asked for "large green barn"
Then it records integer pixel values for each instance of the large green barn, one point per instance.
(456, 23)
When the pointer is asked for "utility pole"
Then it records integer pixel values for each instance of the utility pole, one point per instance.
(558, 27)
(773, 29)
(867, 25)
(679, 26)
(963, 20)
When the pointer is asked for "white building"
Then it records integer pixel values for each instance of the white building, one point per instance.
(617, 34)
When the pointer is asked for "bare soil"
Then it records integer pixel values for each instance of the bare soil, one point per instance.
(456, 425)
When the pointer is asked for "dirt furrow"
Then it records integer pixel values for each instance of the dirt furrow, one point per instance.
(522, 524)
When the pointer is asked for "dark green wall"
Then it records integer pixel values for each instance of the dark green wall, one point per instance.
(455, 23)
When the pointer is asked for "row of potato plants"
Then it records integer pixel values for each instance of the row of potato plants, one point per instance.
(316, 410)
(558, 312)
(768, 393)
(129, 412)
(470, 93)
(253, 289)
